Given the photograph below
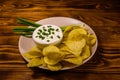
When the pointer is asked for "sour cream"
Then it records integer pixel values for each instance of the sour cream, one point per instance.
(47, 34)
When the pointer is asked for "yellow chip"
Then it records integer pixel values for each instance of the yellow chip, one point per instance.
(50, 49)
(75, 60)
(67, 52)
(50, 61)
(56, 67)
(68, 29)
(35, 51)
(76, 46)
(86, 52)
(91, 39)
(34, 62)
(43, 62)
(28, 56)
(77, 34)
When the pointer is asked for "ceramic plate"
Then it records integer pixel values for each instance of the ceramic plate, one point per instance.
(25, 44)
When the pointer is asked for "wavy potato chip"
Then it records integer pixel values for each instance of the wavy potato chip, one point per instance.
(51, 61)
(76, 60)
(50, 49)
(68, 29)
(28, 56)
(76, 46)
(67, 52)
(77, 34)
(34, 62)
(86, 52)
(91, 39)
(55, 67)
(35, 51)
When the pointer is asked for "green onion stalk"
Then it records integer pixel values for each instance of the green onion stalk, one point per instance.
(28, 31)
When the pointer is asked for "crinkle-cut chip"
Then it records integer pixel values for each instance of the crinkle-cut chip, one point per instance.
(76, 46)
(77, 34)
(51, 61)
(86, 52)
(50, 49)
(35, 51)
(76, 60)
(34, 62)
(28, 56)
(55, 67)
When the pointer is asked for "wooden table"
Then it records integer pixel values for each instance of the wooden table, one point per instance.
(102, 15)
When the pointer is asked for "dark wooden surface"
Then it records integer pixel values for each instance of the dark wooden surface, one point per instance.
(102, 15)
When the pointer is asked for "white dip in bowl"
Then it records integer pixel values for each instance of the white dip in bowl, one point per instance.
(47, 34)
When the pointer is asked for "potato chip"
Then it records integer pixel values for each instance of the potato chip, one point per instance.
(55, 67)
(50, 49)
(77, 34)
(28, 56)
(34, 62)
(75, 60)
(35, 51)
(86, 52)
(51, 61)
(67, 52)
(76, 46)
(92, 39)
(68, 29)
(43, 62)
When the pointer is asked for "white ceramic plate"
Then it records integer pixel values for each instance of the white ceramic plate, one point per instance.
(25, 44)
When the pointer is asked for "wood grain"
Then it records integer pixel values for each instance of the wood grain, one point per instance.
(102, 15)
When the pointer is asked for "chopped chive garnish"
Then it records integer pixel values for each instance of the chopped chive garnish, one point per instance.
(38, 33)
(53, 33)
(40, 36)
(45, 29)
(57, 29)
(58, 36)
(49, 26)
(43, 33)
(40, 30)
(43, 38)
(51, 37)
(48, 40)
(36, 36)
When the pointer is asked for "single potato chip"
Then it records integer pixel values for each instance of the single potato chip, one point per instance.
(77, 34)
(68, 29)
(76, 46)
(50, 61)
(34, 62)
(28, 56)
(75, 60)
(91, 39)
(50, 49)
(86, 52)
(35, 51)
(55, 67)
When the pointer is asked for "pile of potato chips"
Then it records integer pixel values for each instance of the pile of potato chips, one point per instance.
(73, 50)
